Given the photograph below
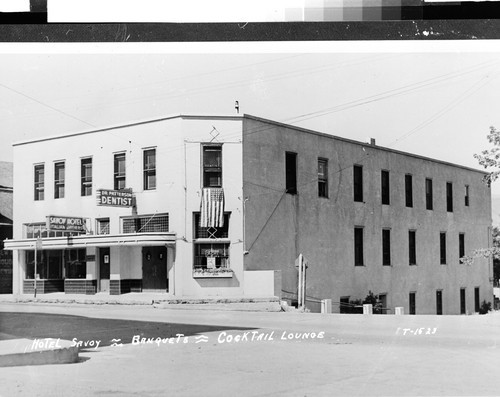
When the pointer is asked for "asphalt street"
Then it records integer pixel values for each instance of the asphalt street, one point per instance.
(213, 353)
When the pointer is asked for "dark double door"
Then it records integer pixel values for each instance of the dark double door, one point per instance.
(154, 268)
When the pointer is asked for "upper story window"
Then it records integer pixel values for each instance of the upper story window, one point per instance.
(119, 173)
(39, 186)
(291, 172)
(449, 197)
(358, 182)
(442, 248)
(385, 187)
(461, 245)
(59, 179)
(428, 194)
(103, 226)
(145, 224)
(86, 175)
(467, 195)
(386, 247)
(323, 178)
(210, 232)
(358, 246)
(409, 190)
(212, 166)
(149, 169)
(412, 247)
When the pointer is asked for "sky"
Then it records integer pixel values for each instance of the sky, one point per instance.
(436, 100)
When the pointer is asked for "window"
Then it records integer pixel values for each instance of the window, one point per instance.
(413, 304)
(463, 305)
(210, 232)
(439, 302)
(476, 300)
(461, 245)
(385, 187)
(382, 298)
(358, 246)
(428, 194)
(86, 173)
(145, 224)
(150, 169)
(39, 229)
(442, 248)
(59, 180)
(291, 172)
(48, 264)
(75, 264)
(211, 254)
(323, 178)
(39, 182)
(103, 226)
(212, 166)
(449, 197)
(358, 183)
(386, 247)
(344, 304)
(409, 190)
(466, 195)
(119, 174)
(412, 248)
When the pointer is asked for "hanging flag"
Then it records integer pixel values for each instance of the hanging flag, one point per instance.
(212, 207)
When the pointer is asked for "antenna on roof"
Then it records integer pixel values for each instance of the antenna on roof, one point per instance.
(237, 106)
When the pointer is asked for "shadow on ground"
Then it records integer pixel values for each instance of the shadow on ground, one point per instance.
(40, 325)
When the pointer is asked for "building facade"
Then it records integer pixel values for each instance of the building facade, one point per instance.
(5, 226)
(223, 206)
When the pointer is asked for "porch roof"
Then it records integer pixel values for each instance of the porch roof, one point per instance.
(87, 240)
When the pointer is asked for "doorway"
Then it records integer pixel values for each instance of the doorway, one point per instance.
(104, 269)
(413, 305)
(439, 302)
(154, 269)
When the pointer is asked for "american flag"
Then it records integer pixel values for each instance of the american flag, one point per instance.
(212, 207)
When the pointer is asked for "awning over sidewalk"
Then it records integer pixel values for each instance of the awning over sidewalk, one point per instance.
(103, 240)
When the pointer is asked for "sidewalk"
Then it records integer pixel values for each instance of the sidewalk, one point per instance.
(157, 300)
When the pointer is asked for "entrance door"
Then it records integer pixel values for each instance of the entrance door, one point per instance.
(154, 268)
(439, 302)
(413, 309)
(104, 267)
(462, 301)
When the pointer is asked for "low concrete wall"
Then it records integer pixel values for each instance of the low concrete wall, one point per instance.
(19, 352)
(261, 283)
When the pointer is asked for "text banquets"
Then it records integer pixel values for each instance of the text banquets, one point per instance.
(225, 337)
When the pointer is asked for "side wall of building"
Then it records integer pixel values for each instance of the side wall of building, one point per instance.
(280, 226)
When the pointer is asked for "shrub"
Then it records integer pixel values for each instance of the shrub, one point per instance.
(485, 307)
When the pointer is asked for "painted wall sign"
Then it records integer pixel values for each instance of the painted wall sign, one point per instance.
(115, 198)
(67, 223)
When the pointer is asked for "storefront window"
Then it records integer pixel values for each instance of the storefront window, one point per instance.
(49, 264)
(76, 265)
(211, 256)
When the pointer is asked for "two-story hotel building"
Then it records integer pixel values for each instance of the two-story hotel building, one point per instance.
(223, 206)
